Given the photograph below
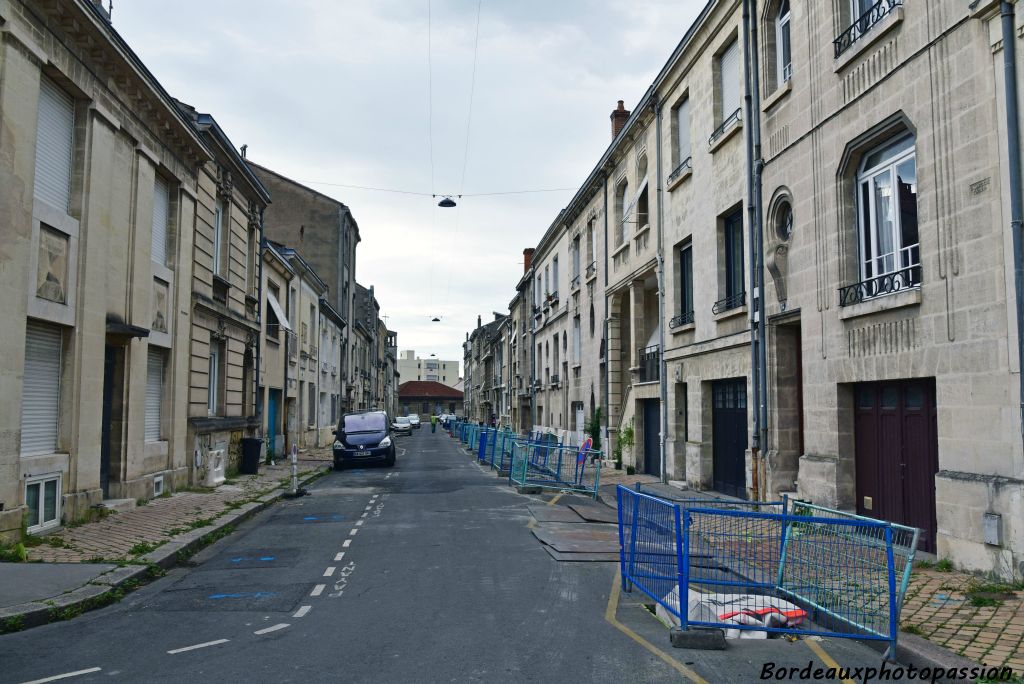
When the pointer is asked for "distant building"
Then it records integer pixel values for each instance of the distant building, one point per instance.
(412, 367)
(428, 398)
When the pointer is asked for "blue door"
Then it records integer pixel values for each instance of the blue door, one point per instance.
(274, 399)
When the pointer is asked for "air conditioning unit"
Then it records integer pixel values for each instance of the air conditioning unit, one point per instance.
(215, 464)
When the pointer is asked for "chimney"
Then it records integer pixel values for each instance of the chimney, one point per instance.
(527, 258)
(619, 116)
(479, 321)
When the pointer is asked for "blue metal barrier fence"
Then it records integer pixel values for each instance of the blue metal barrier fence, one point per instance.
(550, 465)
(812, 571)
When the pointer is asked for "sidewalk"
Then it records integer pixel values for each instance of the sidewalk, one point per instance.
(91, 565)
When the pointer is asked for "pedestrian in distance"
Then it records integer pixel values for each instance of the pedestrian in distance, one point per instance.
(433, 424)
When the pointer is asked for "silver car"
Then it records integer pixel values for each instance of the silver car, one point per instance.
(401, 426)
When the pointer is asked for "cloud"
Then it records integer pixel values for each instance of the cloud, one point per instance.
(325, 90)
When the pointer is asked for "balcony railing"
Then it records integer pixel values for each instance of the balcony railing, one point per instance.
(684, 166)
(729, 121)
(649, 361)
(906, 279)
(292, 343)
(274, 331)
(729, 303)
(879, 11)
(681, 320)
(592, 269)
(575, 282)
(554, 380)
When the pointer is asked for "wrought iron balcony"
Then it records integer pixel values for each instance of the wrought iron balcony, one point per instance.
(592, 269)
(575, 282)
(879, 11)
(729, 303)
(906, 279)
(649, 361)
(729, 121)
(554, 380)
(682, 319)
(684, 166)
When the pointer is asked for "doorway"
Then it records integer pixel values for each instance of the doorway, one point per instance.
(112, 430)
(652, 426)
(897, 453)
(273, 412)
(729, 436)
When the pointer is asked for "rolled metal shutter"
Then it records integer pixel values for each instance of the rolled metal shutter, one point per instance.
(154, 393)
(730, 74)
(161, 215)
(55, 133)
(40, 396)
(683, 123)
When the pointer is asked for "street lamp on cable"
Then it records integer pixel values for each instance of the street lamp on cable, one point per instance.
(447, 202)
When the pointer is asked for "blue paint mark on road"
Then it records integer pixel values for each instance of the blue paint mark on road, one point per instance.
(267, 558)
(240, 559)
(250, 594)
(313, 518)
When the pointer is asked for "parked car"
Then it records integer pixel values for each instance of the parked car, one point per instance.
(363, 437)
(414, 420)
(402, 426)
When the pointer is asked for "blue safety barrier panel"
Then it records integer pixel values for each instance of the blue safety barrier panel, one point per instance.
(793, 569)
(547, 464)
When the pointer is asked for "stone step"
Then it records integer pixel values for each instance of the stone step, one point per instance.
(119, 505)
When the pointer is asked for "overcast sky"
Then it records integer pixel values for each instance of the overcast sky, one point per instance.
(337, 91)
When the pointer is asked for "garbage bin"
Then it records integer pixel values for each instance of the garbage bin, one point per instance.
(250, 456)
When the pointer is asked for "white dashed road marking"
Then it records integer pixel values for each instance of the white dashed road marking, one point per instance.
(318, 589)
(273, 628)
(302, 611)
(365, 513)
(338, 556)
(66, 675)
(329, 571)
(353, 531)
(347, 543)
(359, 523)
(197, 646)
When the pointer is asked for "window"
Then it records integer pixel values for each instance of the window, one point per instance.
(576, 340)
(682, 121)
(685, 285)
(729, 82)
(591, 248)
(213, 370)
(220, 227)
(154, 394)
(576, 259)
(311, 409)
(40, 395)
(251, 268)
(161, 219)
(622, 207)
(731, 282)
(591, 320)
(42, 498)
(784, 221)
(538, 291)
(887, 211)
(55, 140)
(783, 56)
(554, 275)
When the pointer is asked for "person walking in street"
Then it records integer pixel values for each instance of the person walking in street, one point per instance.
(433, 423)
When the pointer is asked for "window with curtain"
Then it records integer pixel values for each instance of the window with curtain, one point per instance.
(783, 55)
(686, 283)
(887, 210)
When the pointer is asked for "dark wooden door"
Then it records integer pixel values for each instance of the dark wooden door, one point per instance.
(729, 436)
(652, 426)
(109, 362)
(897, 453)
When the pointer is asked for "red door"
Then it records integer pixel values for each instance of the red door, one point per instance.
(897, 453)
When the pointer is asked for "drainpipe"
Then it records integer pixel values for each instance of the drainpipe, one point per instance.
(755, 443)
(259, 319)
(606, 317)
(663, 367)
(1014, 158)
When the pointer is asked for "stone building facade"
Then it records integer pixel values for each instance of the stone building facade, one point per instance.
(429, 369)
(225, 323)
(279, 337)
(94, 266)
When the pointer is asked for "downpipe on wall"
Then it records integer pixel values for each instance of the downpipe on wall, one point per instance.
(662, 367)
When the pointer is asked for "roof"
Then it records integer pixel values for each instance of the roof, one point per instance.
(306, 188)
(427, 388)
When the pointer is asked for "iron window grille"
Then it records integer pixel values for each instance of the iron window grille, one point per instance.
(592, 269)
(889, 283)
(730, 120)
(875, 14)
(649, 361)
(681, 320)
(685, 165)
(729, 303)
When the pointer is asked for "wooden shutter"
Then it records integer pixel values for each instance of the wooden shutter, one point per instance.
(41, 389)
(55, 130)
(730, 76)
(161, 216)
(154, 393)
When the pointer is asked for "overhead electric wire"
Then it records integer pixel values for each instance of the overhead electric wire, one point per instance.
(430, 97)
(431, 194)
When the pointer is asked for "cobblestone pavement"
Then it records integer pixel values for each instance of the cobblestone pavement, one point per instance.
(943, 608)
(138, 531)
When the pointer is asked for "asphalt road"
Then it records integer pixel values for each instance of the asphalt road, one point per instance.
(425, 572)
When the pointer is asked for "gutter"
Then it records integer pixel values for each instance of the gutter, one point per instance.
(663, 367)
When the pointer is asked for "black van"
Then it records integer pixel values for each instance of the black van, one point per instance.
(363, 437)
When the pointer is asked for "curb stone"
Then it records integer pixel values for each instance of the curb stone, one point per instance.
(919, 652)
(38, 613)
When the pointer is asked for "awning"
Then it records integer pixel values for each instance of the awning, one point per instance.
(278, 311)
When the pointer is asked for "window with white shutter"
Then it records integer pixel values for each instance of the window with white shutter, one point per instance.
(729, 74)
(161, 217)
(55, 139)
(154, 393)
(40, 396)
(683, 131)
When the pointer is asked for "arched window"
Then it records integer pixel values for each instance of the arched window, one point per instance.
(784, 221)
(783, 53)
(622, 204)
(887, 211)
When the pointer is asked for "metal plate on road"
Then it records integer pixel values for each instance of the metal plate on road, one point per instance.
(600, 557)
(595, 512)
(574, 538)
(226, 597)
(247, 559)
(547, 513)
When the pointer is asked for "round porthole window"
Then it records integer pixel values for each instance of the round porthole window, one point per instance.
(784, 222)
